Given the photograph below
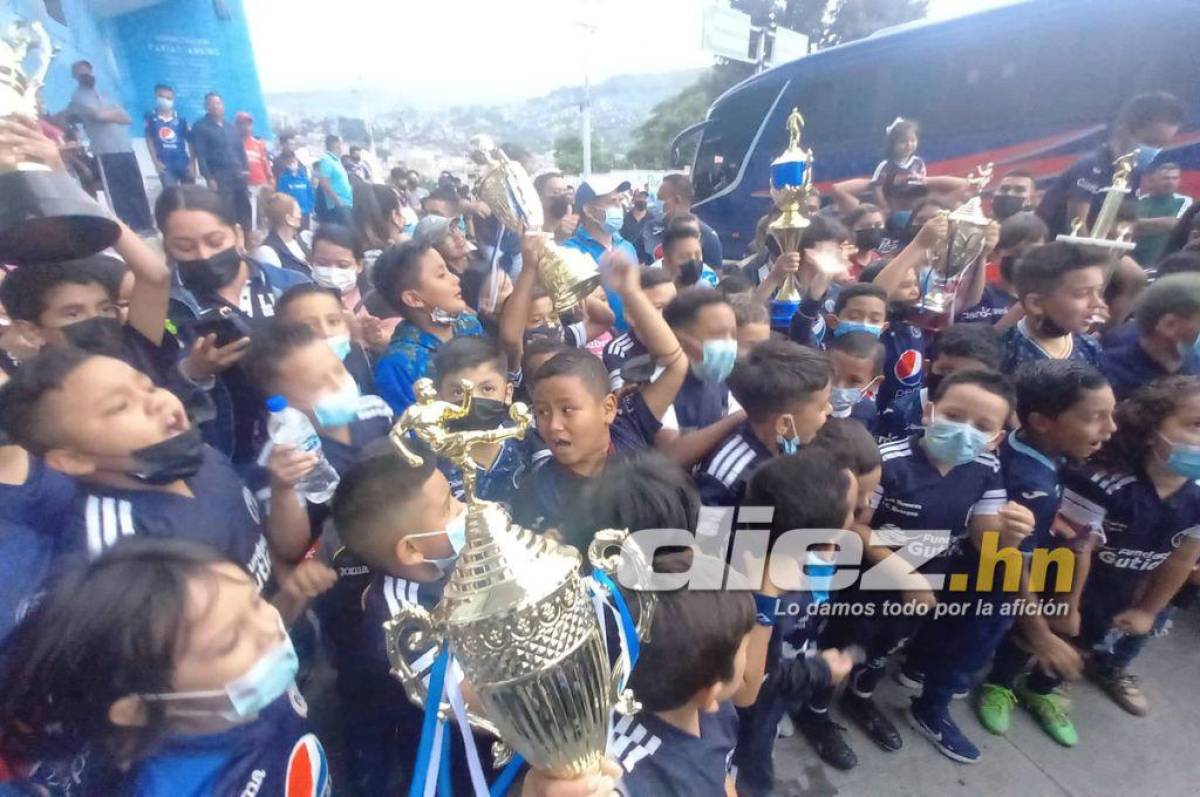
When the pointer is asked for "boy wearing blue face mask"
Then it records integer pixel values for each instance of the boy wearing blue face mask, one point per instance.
(404, 523)
(784, 389)
(857, 360)
(704, 412)
(1167, 341)
(946, 479)
(321, 310)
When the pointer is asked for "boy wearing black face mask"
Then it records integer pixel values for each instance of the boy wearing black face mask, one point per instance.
(1061, 288)
(142, 466)
(481, 363)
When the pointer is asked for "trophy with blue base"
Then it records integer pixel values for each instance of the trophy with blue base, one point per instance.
(791, 183)
(522, 649)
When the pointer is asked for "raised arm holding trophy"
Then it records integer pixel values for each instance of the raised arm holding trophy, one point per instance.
(520, 622)
(962, 250)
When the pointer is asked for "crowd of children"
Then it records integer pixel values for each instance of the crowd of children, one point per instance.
(171, 586)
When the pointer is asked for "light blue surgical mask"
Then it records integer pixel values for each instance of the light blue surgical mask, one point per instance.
(614, 219)
(843, 400)
(846, 327)
(1184, 459)
(338, 408)
(820, 576)
(900, 219)
(340, 345)
(456, 532)
(1190, 350)
(954, 443)
(720, 355)
(1145, 155)
(249, 694)
(788, 445)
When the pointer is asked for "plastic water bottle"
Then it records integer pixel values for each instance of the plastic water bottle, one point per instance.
(289, 426)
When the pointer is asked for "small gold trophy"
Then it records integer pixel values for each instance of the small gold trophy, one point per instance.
(568, 275)
(517, 617)
(961, 250)
(1105, 232)
(44, 214)
(791, 182)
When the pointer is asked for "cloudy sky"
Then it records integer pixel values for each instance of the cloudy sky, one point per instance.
(428, 51)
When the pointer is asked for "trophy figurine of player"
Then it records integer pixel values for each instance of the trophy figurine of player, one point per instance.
(518, 619)
(1106, 233)
(568, 275)
(44, 214)
(952, 259)
(791, 183)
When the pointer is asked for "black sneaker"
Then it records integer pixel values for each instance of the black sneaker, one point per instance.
(872, 721)
(826, 738)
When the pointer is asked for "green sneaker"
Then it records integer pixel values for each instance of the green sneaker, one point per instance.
(1051, 713)
(995, 707)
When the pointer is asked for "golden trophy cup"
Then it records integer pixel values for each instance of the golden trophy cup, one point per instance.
(961, 249)
(1105, 232)
(44, 215)
(518, 618)
(568, 275)
(791, 182)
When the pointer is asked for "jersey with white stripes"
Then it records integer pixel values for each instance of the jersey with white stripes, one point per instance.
(913, 496)
(619, 350)
(1138, 528)
(383, 600)
(659, 760)
(723, 476)
(222, 513)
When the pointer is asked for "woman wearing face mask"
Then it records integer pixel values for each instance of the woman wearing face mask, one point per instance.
(215, 277)
(337, 264)
(284, 245)
(866, 224)
(199, 691)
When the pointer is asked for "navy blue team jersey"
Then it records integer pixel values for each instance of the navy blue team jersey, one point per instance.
(500, 481)
(659, 760)
(276, 754)
(903, 418)
(619, 351)
(1128, 367)
(25, 555)
(723, 475)
(1035, 481)
(913, 496)
(903, 361)
(1138, 528)
(222, 513)
(698, 404)
(993, 305)
(42, 502)
(1019, 348)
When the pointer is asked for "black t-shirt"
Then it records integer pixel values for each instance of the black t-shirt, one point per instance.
(1085, 179)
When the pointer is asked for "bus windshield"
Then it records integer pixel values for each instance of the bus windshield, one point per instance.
(726, 138)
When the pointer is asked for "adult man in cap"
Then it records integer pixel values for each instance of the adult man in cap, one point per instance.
(599, 203)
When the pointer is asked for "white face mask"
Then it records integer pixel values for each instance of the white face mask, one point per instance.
(340, 279)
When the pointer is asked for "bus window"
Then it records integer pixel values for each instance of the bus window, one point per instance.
(726, 139)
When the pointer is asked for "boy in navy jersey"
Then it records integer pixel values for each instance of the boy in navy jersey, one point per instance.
(859, 307)
(660, 290)
(688, 677)
(1018, 234)
(946, 480)
(807, 491)
(1061, 289)
(1065, 409)
(703, 412)
(582, 423)
(294, 362)
(1167, 339)
(483, 364)
(142, 466)
(962, 347)
(1142, 495)
(857, 360)
(784, 388)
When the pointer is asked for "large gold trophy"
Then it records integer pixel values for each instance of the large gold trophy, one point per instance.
(961, 250)
(518, 618)
(568, 275)
(44, 214)
(1106, 233)
(791, 183)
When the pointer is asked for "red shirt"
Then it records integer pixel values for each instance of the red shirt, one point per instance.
(257, 161)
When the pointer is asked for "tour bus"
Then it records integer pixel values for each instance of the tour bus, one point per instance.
(1031, 85)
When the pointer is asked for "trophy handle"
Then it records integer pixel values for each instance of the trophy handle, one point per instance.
(412, 629)
(608, 549)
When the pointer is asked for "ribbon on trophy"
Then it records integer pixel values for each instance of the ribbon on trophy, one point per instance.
(517, 621)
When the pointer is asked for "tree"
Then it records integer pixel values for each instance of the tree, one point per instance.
(825, 22)
(568, 154)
